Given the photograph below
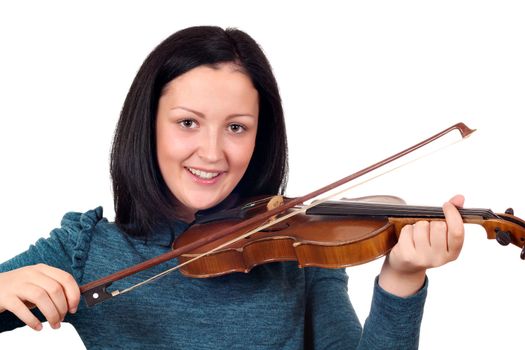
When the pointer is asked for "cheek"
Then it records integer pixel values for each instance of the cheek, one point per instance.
(163, 151)
(244, 155)
(170, 152)
(172, 144)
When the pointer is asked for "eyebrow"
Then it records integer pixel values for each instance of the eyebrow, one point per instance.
(200, 114)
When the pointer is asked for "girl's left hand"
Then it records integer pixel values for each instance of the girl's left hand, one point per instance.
(421, 246)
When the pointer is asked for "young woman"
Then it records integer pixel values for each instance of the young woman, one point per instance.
(202, 128)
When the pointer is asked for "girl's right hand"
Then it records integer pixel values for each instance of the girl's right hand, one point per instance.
(53, 291)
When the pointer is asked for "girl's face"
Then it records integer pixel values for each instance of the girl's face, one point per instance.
(206, 126)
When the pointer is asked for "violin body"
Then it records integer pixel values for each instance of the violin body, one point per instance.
(311, 240)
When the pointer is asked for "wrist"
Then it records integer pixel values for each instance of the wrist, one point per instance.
(401, 283)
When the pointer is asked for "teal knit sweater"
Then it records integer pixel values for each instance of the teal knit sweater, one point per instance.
(275, 306)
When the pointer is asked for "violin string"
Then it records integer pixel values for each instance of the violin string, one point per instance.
(278, 220)
(386, 209)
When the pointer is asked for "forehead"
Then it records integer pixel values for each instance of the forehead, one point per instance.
(208, 88)
(217, 75)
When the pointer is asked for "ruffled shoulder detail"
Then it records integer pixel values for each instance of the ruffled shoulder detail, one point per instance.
(80, 228)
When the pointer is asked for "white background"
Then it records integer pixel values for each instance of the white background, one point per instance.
(359, 82)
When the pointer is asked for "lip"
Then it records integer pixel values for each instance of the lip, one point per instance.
(202, 181)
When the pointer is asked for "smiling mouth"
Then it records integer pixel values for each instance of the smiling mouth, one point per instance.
(203, 174)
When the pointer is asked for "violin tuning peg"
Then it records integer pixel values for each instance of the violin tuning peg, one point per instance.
(522, 255)
(509, 211)
(503, 238)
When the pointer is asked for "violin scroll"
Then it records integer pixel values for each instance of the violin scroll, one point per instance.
(506, 229)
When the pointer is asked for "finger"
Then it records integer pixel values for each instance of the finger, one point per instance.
(38, 296)
(458, 200)
(455, 229)
(20, 310)
(422, 236)
(438, 242)
(54, 290)
(406, 238)
(68, 283)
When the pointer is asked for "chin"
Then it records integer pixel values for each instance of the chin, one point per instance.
(202, 200)
(203, 205)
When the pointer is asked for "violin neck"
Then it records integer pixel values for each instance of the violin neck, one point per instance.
(378, 210)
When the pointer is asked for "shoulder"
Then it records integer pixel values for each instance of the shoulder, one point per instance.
(75, 235)
(77, 228)
(74, 222)
(67, 247)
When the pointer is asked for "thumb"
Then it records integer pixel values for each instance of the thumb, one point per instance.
(458, 200)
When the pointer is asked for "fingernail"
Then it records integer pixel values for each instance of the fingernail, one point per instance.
(73, 310)
(56, 325)
(38, 327)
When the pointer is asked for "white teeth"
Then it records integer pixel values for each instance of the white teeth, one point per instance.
(203, 174)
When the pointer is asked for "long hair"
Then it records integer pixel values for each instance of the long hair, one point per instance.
(141, 197)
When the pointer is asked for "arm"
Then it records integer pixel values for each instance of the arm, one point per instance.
(393, 322)
(331, 322)
(53, 291)
(47, 275)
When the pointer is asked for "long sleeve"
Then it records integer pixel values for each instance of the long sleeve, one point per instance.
(393, 322)
(66, 248)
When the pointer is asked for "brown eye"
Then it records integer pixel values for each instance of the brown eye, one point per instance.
(236, 128)
(188, 123)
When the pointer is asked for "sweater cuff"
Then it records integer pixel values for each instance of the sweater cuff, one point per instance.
(391, 300)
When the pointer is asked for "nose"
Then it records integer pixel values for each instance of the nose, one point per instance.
(210, 147)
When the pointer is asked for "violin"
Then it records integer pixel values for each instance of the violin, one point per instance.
(325, 233)
(333, 234)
